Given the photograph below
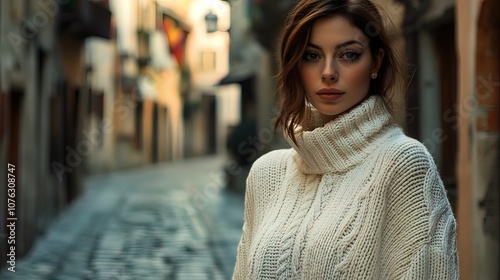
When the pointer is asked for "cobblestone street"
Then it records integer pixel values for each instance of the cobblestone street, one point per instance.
(168, 221)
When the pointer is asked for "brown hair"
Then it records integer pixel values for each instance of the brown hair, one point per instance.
(364, 15)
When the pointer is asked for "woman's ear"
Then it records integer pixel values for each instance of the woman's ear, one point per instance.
(379, 57)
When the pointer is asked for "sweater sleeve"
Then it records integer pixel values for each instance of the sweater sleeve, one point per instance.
(437, 258)
(422, 235)
(242, 265)
(265, 174)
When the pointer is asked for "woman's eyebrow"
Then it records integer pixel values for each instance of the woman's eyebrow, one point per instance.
(339, 46)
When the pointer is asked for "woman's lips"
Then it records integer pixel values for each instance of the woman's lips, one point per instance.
(330, 94)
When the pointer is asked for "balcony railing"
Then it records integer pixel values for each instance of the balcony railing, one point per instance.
(85, 18)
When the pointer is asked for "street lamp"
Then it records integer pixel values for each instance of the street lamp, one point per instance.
(211, 20)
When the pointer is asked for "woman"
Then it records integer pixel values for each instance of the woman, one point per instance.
(354, 198)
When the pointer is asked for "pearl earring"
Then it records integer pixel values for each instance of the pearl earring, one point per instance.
(374, 75)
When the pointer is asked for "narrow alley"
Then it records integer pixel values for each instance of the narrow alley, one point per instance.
(167, 221)
(128, 127)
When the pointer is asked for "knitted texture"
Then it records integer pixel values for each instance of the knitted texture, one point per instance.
(356, 199)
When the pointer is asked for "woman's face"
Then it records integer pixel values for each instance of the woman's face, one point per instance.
(335, 69)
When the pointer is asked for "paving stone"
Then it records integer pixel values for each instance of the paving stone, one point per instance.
(142, 224)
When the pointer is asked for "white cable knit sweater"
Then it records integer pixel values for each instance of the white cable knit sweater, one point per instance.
(357, 199)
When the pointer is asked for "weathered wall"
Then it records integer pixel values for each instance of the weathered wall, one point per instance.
(477, 40)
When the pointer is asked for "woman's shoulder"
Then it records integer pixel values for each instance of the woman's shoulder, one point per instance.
(268, 171)
(404, 150)
(273, 162)
(403, 157)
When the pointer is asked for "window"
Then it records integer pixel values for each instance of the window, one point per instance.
(207, 61)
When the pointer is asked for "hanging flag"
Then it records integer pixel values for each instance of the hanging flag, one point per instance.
(176, 38)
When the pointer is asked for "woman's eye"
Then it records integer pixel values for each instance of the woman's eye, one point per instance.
(350, 56)
(310, 56)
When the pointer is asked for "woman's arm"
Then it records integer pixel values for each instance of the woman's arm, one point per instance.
(438, 257)
(242, 265)
(420, 233)
(266, 173)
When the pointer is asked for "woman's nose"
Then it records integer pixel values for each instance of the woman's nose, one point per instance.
(329, 74)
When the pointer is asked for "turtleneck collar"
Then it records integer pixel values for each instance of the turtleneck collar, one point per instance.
(343, 142)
